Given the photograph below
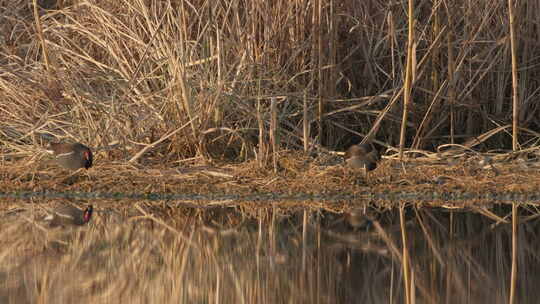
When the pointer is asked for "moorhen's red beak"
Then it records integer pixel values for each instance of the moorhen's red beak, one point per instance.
(88, 213)
(89, 159)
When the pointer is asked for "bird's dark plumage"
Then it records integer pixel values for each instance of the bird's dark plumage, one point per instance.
(362, 156)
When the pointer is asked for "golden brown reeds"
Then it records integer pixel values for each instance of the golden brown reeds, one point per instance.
(515, 83)
(134, 71)
(407, 273)
(407, 86)
(514, 271)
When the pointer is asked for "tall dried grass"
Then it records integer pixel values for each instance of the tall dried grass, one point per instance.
(182, 79)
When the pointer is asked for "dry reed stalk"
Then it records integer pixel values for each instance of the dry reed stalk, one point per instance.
(261, 155)
(305, 121)
(304, 238)
(258, 246)
(303, 278)
(451, 72)
(317, 54)
(274, 131)
(405, 253)
(515, 84)
(407, 89)
(413, 290)
(391, 300)
(219, 50)
(272, 232)
(319, 248)
(449, 268)
(393, 40)
(39, 31)
(332, 53)
(513, 276)
(435, 59)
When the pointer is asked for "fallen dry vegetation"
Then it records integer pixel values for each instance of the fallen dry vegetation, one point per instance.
(300, 181)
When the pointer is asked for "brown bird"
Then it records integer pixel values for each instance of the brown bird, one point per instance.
(362, 156)
(68, 215)
(71, 156)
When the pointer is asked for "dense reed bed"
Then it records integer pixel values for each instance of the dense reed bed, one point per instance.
(170, 80)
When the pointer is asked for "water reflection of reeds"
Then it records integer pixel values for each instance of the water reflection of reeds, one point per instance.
(307, 257)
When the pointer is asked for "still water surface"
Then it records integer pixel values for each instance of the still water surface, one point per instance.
(228, 255)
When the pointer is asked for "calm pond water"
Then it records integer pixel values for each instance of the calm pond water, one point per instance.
(268, 255)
